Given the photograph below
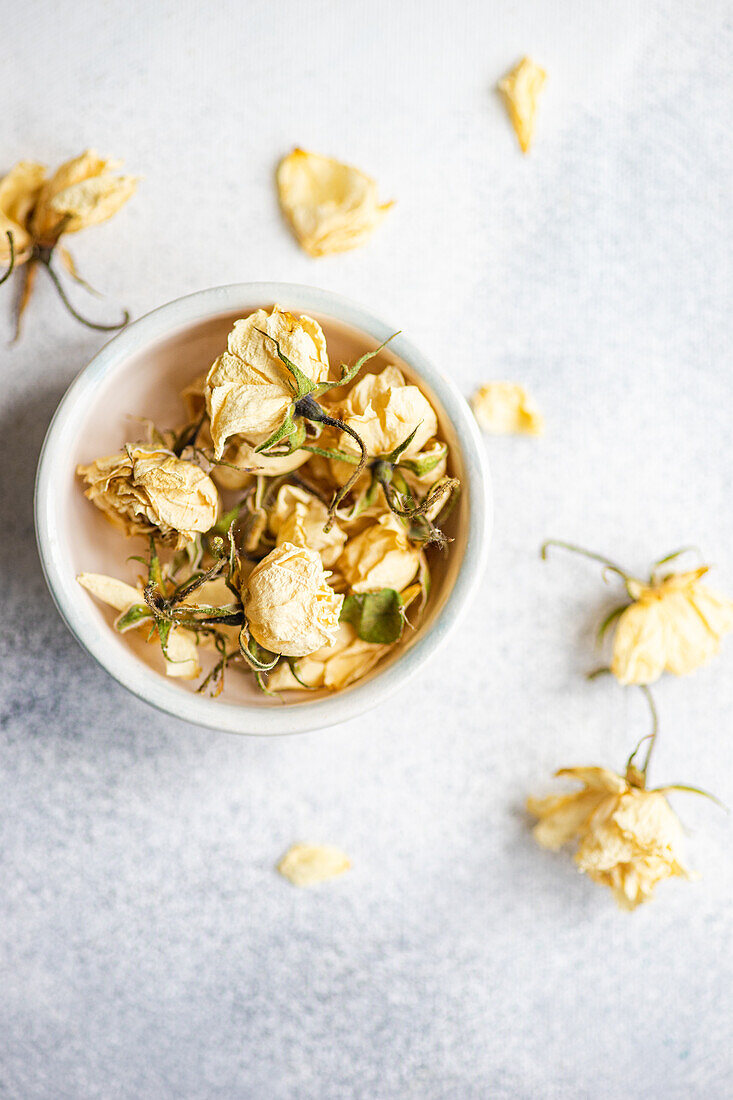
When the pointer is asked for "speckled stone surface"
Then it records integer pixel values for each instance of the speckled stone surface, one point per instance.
(147, 947)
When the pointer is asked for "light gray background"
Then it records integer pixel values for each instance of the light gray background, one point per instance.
(148, 948)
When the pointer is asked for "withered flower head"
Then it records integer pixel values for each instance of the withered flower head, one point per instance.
(82, 192)
(383, 409)
(331, 206)
(674, 622)
(299, 517)
(629, 838)
(381, 556)
(248, 389)
(288, 604)
(35, 213)
(149, 491)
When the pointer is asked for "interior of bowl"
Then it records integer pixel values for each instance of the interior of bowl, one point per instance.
(147, 385)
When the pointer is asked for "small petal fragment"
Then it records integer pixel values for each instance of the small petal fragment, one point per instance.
(504, 408)
(521, 89)
(309, 864)
(332, 207)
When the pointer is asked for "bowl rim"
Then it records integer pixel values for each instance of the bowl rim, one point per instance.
(148, 684)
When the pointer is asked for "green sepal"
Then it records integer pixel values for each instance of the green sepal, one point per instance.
(425, 465)
(338, 456)
(376, 616)
(258, 659)
(131, 618)
(395, 455)
(286, 429)
(349, 373)
(610, 619)
(304, 384)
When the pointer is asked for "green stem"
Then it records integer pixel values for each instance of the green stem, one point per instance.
(44, 258)
(587, 554)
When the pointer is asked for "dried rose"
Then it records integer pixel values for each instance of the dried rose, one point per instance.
(149, 491)
(180, 652)
(380, 556)
(333, 666)
(331, 206)
(308, 864)
(384, 410)
(629, 838)
(674, 622)
(505, 407)
(36, 212)
(521, 89)
(248, 389)
(289, 606)
(299, 517)
(82, 192)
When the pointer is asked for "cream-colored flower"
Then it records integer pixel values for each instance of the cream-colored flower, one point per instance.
(289, 606)
(332, 667)
(148, 491)
(308, 864)
(82, 192)
(19, 191)
(331, 206)
(248, 389)
(383, 409)
(521, 89)
(181, 654)
(505, 407)
(675, 624)
(298, 517)
(380, 556)
(629, 839)
(237, 453)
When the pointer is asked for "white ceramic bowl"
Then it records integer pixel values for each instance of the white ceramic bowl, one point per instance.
(147, 363)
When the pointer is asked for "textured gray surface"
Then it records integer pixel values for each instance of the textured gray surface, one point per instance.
(148, 950)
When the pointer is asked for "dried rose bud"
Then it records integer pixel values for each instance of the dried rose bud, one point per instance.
(82, 192)
(288, 604)
(381, 556)
(504, 408)
(629, 838)
(148, 491)
(299, 517)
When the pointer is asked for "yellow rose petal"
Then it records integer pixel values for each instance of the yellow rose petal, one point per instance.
(521, 89)
(331, 206)
(504, 408)
(308, 864)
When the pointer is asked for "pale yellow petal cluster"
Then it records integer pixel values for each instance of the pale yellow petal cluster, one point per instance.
(148, 491)
(299, 517)
(521, 90)
(82, 192)
(19, 191)
(309, 864)
(181, 653)
(248, 389)
(503, 408)
(380, 556)
(674, 625)
(629, 839)
(332, 667)
(331, 206)
(384, 409)
(289, 606)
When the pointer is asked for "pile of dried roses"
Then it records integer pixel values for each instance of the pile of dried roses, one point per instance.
(289, 520)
